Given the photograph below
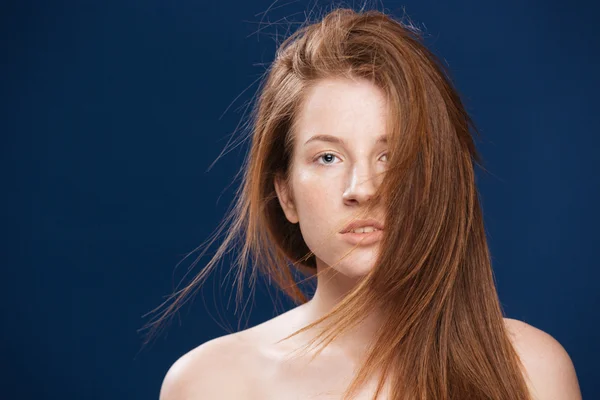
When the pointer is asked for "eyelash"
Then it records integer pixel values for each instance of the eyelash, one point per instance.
(326, 153)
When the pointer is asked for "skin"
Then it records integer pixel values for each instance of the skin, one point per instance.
(325, 191)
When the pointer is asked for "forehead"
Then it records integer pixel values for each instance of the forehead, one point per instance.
(350, 109)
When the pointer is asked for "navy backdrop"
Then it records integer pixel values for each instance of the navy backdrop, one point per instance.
(112, 113)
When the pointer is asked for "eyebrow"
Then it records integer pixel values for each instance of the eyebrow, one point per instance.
(335, 139)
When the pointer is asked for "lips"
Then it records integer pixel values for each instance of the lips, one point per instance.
(363, 223)
(365, 238)
(362, 239)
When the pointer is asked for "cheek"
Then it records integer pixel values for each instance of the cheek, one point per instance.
(315, 193)
(317, 202)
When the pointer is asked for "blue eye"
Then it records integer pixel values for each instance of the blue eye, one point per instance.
(321, 156)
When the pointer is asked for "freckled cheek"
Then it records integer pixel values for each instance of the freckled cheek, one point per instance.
(316, 191)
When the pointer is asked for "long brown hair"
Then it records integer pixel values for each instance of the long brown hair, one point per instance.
(443, 335)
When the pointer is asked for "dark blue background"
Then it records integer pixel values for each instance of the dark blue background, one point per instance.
(113, 112)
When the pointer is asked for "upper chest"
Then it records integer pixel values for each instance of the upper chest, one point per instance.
(324, 378)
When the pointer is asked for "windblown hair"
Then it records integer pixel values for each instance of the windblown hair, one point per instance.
(443, 335)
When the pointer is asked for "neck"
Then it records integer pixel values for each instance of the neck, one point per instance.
(332, 286)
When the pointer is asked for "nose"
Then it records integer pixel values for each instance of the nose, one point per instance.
(361, 185)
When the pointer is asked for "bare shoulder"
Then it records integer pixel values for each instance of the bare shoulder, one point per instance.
(217, 369)
(233, 366)
(549, 368)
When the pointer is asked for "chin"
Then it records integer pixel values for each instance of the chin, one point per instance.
(356, 264)
(355, 272)
(356, 267)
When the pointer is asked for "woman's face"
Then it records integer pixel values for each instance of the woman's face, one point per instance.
(339, 148)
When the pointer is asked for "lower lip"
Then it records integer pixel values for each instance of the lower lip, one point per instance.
(363, 239)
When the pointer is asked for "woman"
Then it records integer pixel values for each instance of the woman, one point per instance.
(361, 174)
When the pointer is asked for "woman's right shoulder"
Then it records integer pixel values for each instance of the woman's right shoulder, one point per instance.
(217, 369)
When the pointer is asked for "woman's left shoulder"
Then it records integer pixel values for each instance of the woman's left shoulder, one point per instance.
(549, 368)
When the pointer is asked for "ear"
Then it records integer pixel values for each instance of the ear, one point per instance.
(285, 199)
